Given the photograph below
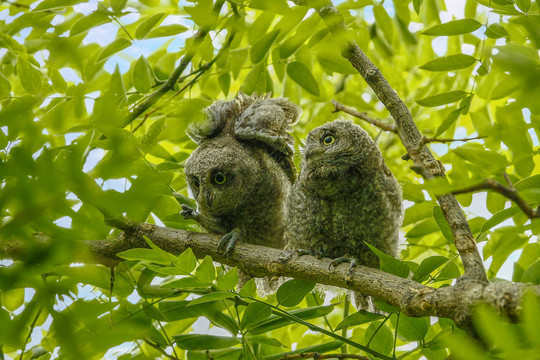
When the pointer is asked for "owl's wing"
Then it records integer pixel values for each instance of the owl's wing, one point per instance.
(267, 121)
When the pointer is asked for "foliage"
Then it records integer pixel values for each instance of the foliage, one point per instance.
(70, 73)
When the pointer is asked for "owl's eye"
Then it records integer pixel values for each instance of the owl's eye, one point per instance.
(195, 183)
(328, 139)
(220, 178)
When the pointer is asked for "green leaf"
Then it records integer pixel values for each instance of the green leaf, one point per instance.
(255, 313)
(12, 299)
(449, 63)
(264, 340)
(186, 261)
(334, 62)
(532, 274)
(147, 25)
(142, 76)
(143, 255)
(114, 47)
(450, 119)
(450, 271)
(427, 266)
(276, 321)
(89, 21)
(442, 99)
(229, 280)
(359, 317)
(416, 5)
(58, 82)
(389, 264)
(292, 292)
(318, 349)
(381, 337)
(151, 137)
(30, 77)
(117, 5)
(5, 88)
(455, 27)
(261, 47)
(255, 81)
(212, 297)
(496, 31)
(528, 183)
(204, 342)
(499, 217)
(224, 81)
(249, 289)
(412, 329)
(166, 30)
(443, 225)
(56, 4)
(301, 74)
(185, 282)
(384, 22)
(524, 5)
(205, 271)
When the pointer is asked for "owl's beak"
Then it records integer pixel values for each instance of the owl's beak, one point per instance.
(312, 151)
(209, 197)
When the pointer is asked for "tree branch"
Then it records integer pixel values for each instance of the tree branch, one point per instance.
(410, 136)
(362, 115)
(411, 298)
(314, 355)
(171, 81)
(508, 191)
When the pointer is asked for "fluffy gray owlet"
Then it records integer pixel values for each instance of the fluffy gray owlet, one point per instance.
(241, 173)
(344, 195)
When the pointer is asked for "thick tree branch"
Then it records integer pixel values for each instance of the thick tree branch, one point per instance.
(172, 80)
(508, 191)
(411, 298)
(410, 137)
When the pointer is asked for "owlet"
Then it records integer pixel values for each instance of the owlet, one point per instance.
(241, 172)
(345, 195)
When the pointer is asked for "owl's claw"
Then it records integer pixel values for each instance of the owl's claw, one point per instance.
(188, 212)
(343, 259)
(317, 254)
(228, 241)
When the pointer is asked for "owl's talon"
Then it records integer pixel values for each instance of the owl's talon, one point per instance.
(343, 259)
(188, 212)
(317, 254)
(228, 241)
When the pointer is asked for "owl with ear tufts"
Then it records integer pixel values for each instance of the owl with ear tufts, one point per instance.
(345, 196)
(242, 170)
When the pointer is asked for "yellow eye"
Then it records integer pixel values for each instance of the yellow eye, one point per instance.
(328, 139)
(220, 178)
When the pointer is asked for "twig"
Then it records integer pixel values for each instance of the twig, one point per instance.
(508, 191)
(426, 140)
(362, 115)
(314, 355)
(171, 81)
(160, 350)
(410, 136)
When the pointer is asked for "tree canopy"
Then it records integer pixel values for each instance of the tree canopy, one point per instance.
(95, 98)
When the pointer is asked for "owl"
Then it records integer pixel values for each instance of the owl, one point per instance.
(242, 170)
(344, 196)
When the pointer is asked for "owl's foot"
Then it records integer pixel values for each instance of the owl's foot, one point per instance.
(317, 254)
(343, 259)
(228, 241)
(188, 212)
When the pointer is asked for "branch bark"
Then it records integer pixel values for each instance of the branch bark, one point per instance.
(411, 298)
(410, 137)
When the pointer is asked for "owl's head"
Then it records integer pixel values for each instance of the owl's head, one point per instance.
(220, 173)
(338, 146)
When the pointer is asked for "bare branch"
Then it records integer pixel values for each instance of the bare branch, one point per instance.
(509, 192)
(314, 355)
(362, 115)
(411, 298)
(410, 136)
